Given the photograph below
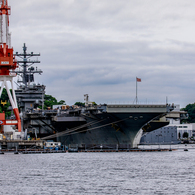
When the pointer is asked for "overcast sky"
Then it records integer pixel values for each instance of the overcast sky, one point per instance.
(98, 47)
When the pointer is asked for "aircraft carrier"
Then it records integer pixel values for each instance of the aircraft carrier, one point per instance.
(109, 126)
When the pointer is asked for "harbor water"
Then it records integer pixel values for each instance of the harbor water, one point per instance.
(99, 173)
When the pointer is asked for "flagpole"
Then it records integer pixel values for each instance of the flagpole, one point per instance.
(137, 80)
(136, 91)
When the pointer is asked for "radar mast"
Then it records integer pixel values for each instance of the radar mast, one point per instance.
(26, 69)
(29, 94)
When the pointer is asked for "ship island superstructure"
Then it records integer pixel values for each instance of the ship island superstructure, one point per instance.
(30, 96)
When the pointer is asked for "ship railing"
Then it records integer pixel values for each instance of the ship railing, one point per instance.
(139, 103)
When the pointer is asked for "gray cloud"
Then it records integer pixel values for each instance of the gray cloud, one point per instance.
(99, 47)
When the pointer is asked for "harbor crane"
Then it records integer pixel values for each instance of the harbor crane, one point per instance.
(8, 64)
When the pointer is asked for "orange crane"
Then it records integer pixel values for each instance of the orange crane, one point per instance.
(7, 64)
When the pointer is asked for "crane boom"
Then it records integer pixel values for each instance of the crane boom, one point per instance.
(7, 60)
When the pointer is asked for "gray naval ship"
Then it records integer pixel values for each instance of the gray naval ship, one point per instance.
(108, 125)
(91, 126)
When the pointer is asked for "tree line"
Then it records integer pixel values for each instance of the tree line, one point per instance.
(49, 101)
(190, 109)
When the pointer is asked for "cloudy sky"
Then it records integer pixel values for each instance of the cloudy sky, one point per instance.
(98, 47)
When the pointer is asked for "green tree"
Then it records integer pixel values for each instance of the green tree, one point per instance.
(190, 109)
(49, 101)
(79, 104)
(61, 102)
(4, 107)
(185, 135)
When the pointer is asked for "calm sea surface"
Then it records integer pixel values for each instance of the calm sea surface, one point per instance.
(99, 173)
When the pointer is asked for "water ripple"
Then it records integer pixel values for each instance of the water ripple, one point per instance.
(98, 173)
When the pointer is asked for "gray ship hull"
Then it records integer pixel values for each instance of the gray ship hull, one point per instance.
(114, 126)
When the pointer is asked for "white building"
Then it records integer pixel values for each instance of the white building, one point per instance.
(182, 128)
(175, 119)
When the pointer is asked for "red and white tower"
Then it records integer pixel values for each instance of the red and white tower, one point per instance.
(7, 62)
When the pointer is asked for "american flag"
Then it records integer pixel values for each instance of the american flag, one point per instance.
(139, 80)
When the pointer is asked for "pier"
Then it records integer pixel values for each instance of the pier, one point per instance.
(12, 144)
(37, 147)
